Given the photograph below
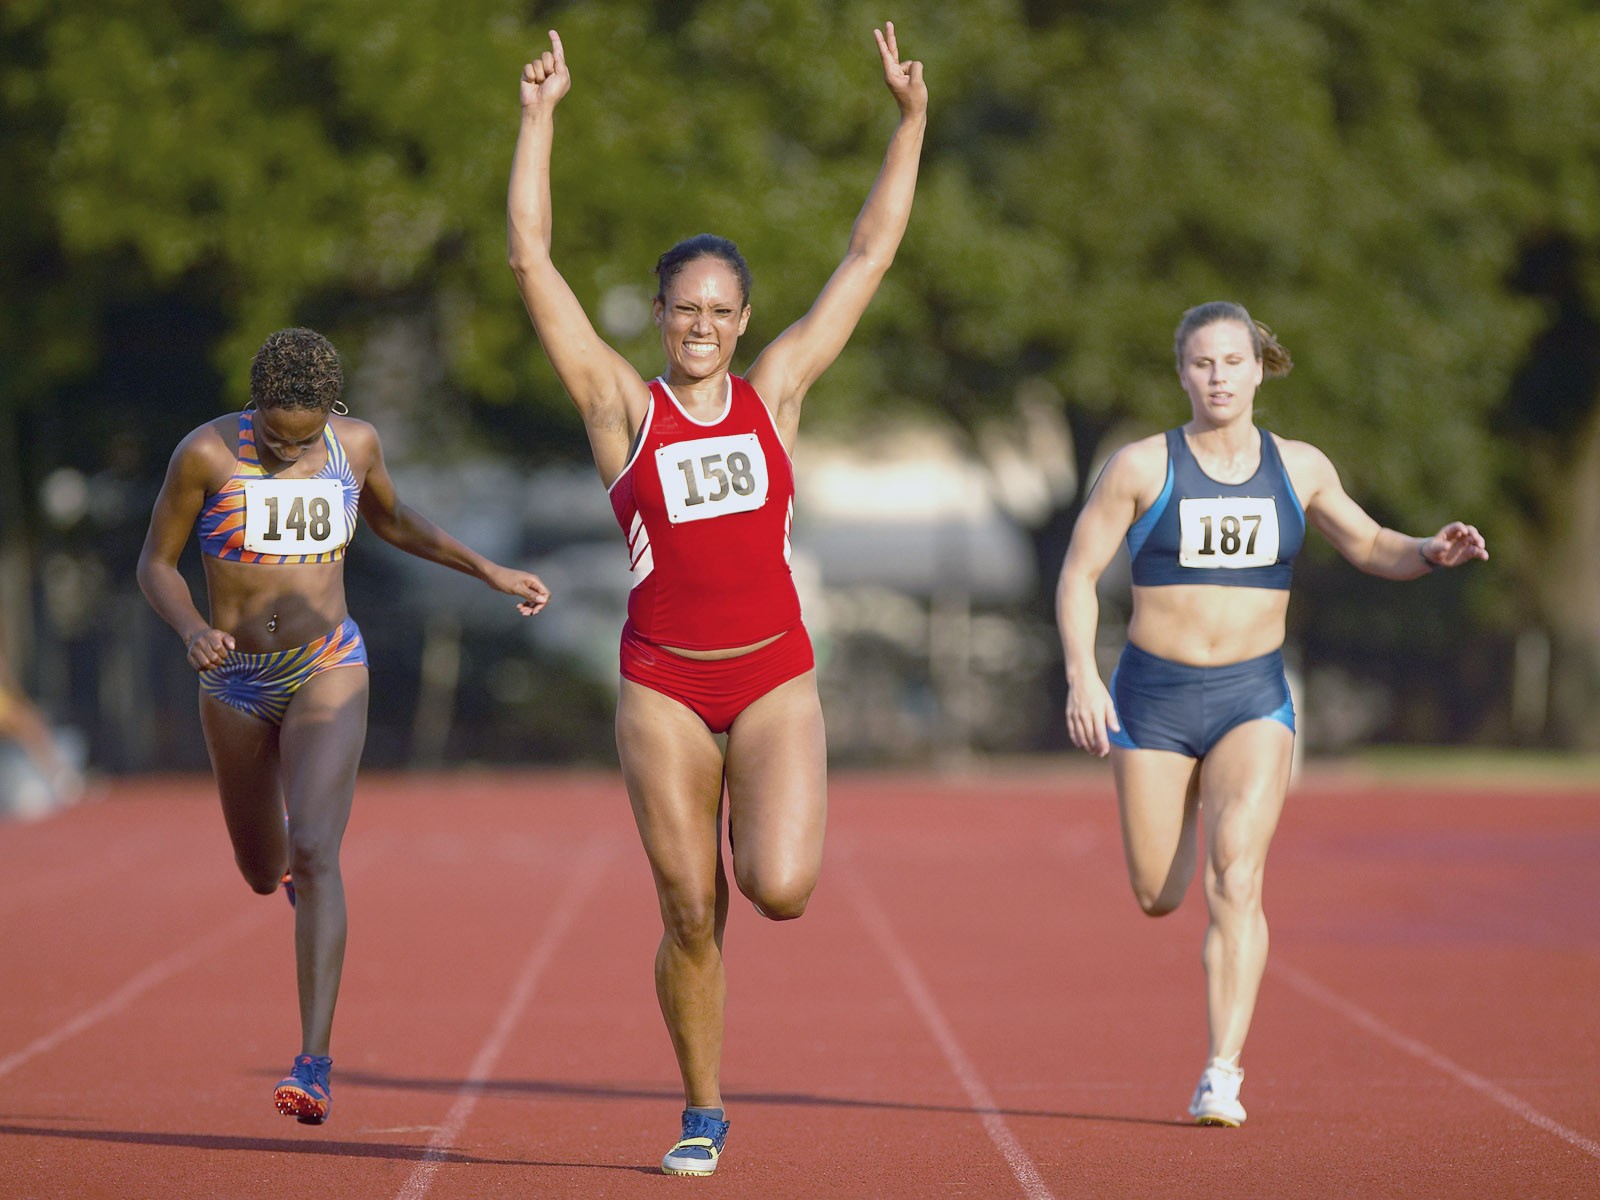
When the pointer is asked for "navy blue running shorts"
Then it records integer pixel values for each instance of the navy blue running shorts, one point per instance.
(1165, 705)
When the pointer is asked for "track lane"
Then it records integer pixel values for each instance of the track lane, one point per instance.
(1464, 921)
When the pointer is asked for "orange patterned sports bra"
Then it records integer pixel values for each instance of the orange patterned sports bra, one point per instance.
(258, 518)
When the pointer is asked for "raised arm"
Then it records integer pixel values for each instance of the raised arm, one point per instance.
(1367, 545)
(788, 367)
(606, 389)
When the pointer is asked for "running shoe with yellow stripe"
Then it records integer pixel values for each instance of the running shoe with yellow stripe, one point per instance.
(700, 1146)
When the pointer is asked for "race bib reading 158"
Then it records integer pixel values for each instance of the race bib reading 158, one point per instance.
(294, 516)
(712, 477)
(1228, 531)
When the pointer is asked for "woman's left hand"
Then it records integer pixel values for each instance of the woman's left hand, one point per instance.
(529, 589)
(904, 78)
(1453, 545)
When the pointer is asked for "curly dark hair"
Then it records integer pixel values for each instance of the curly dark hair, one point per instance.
(296, 368)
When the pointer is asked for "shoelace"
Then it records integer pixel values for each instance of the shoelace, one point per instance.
(699, 1125)
(313, 1072)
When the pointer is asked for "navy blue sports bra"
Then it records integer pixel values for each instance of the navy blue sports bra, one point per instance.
(1227, 534)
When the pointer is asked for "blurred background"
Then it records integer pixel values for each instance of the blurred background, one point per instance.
(1408, 191)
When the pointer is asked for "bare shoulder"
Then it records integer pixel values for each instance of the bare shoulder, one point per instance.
(1308, 467)
(359, 438)
(209, 450)
(1137, 467)
(348, 429)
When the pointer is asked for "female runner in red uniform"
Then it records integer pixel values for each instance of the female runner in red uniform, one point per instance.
(274, 493)
(697, 463)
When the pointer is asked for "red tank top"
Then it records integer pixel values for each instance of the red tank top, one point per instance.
(706, 508)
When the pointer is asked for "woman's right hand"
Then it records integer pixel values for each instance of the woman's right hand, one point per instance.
(1090, 717)
(546, 79)
(208, 648)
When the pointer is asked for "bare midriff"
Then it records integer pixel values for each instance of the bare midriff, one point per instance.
(730, 652)
(275, 606)
(1203, 625)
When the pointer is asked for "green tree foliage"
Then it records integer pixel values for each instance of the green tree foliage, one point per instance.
(1365, 177)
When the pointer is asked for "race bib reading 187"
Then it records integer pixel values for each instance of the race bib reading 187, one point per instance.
(294, 516)
(1228, 531)
(712, 477)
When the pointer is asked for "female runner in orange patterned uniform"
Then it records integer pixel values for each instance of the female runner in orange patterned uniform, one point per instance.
(274, 493)
(698, 467)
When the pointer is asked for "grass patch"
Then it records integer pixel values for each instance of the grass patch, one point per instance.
(1468, 766)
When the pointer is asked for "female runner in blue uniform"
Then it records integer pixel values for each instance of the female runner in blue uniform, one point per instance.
(697, 464)
(1197, 719)
(274, 493)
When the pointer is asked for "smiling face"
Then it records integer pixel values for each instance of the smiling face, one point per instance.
(701, 314)
(1220, 372)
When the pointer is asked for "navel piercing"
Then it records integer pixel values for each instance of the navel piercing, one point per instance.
(272, 625)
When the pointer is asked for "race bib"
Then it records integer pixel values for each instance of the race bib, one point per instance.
(1228, 532)
(294, 516)
(712, 477)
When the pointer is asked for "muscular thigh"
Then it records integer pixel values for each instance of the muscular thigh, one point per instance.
(324, 732)
(1157, 797)
(777, 769)
(672, 768)
(1242, 786)
(244, 759)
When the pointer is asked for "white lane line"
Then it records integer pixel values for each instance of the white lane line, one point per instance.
(1309, 987)
(146, 980)
(270, 908)
(582, 884)
(983, 1103)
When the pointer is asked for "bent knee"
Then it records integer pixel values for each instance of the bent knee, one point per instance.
(782, 908)
(261, 883)
(1155, 904)
(779, 900)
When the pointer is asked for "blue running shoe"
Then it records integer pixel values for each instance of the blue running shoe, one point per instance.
(305, 1094)
(700, 1146)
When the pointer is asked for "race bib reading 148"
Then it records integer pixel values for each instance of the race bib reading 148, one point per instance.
(294, 516)
(712, 477)
(1228, 532)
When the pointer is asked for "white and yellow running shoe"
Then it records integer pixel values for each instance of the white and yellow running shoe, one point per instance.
(1216, 1097)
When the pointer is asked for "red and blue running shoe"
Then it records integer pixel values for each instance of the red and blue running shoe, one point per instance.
(305, 1094)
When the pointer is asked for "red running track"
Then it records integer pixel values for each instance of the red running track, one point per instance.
(973, 1007)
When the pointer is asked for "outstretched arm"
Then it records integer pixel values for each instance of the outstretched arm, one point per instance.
(788, 367)
(606, 390)
(405, 528)
(1374, 548)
